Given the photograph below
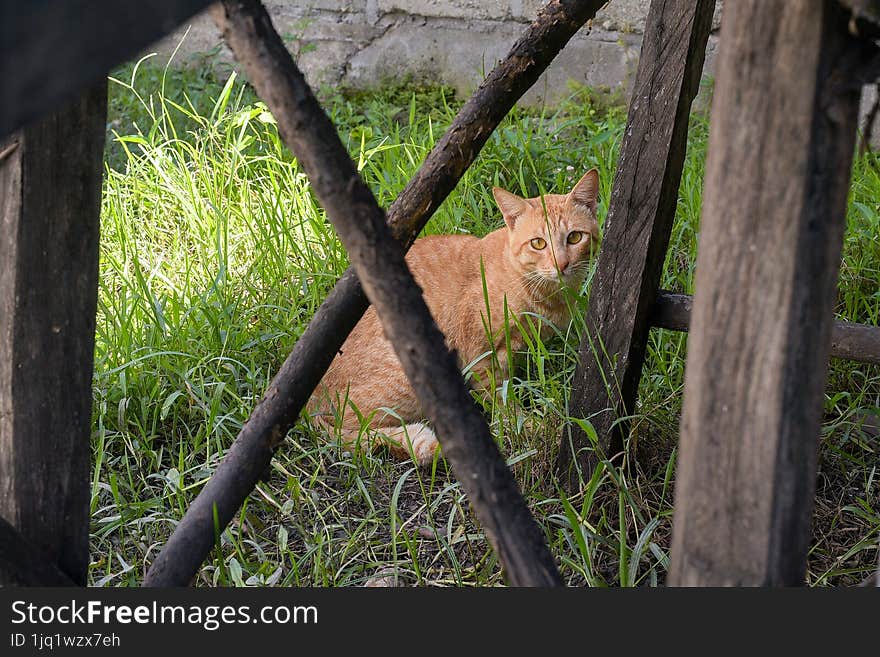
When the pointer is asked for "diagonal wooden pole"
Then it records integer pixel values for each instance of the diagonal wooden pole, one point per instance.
(637, 231)
(288, 392)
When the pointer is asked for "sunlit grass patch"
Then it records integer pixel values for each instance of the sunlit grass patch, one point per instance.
(215, 255)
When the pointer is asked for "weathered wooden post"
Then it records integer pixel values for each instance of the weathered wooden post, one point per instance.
(774, 206)
(50, 193)
(637, 229)
(51, 49)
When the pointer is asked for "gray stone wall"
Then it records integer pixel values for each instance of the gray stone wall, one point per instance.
(361, 43)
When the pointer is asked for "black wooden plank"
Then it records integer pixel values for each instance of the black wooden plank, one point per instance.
(51, 49)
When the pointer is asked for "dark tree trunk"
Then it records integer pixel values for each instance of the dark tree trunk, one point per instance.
(50, 197)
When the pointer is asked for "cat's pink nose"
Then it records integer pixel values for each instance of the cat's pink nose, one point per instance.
(562, 264)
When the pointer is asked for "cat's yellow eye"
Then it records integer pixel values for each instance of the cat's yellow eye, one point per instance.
(574, 237)
(538, 243)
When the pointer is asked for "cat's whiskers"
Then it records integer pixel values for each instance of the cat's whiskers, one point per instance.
(578, 272)
(538, 285)
(527, 285)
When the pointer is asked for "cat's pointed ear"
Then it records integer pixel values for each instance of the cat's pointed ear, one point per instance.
(511, 205)
(586, 193)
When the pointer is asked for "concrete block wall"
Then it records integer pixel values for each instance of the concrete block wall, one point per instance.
(362, 43)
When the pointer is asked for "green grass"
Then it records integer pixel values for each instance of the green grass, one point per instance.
(214, 256)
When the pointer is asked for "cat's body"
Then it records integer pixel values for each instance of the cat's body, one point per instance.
(365, 379)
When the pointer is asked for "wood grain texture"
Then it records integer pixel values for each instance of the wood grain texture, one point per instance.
(50, 196)
(291, 387)
(850, 341)
(780, 150)
(51, 49)
(637, 228)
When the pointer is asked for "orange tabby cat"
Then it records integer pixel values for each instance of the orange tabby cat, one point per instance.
(543, 246)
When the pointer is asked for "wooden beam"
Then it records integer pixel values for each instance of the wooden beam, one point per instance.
(637, 229)
(781, 146)
(850, 341)
(50, 197)
(438, 175)
(51, 49)
(671, 311)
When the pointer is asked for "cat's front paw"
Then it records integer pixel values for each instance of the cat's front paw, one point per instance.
(424, 443)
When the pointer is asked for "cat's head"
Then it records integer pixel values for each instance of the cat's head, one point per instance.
(552, 238)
